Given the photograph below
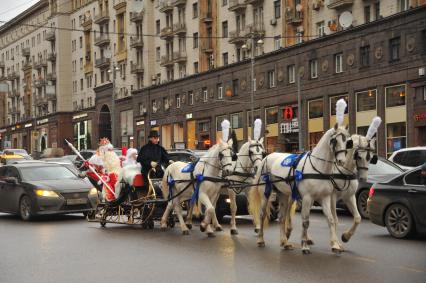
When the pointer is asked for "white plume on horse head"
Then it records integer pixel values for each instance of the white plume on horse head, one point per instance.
(340, 111)
(257, 129)
(225, 130)
(374, 126)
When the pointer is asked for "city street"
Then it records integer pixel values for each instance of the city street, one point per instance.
(69, 249)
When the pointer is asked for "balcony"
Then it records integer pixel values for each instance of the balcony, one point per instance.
(179, 29)
(255, 30)
(13, 93)
(12, 76)
(136, 41)
(51, 77)
(137, 68)
(179, 57)
(51, 96)
(3, 78)
(26, 52)
(207, 45)
(40, 64)
(102, 62)
(50, 35)
(118, 4)
(26, 66)
(178, 3)
(86, 23)
(166, 61)
(166, 33)
(337, 4)
(166, 6)
(41, 100)
(40, 82)
(237, 5)
(2, 65)
(137, 16)
(237, 37)
(207, 17)
(51, 57)
(102, 39)
(13, 110)
(254, 2)
(102, 17)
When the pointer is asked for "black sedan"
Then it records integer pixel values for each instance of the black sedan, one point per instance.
(399, 204)
(31, 189)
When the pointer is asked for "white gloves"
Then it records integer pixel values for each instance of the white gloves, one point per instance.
(171, 161)
(154, 164)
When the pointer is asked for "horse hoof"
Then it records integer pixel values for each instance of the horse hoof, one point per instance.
(219, 229)
(189, 226)
(163, 229)
(234, 232)
(336, 250)
(261, 244)
(211, 235)
(345, 239)
(288, 247)
(202, 228)
(310, 242)
(185, 232)
(256, 230)
(306, 251)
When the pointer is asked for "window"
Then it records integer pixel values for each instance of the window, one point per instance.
(396, 136)
(177, 101)
(157, 27)
(235, 87)
(271, 78)
(205, 94)
(414, 158)
(271, 115)
(394, 45)
(277, 9)
(195, 10)
(424, 40)
(367, 14)
(333, 101)
(366, 100)
(219, 91)
(316, 109)
(395, 96)
(256, 116)
(313, 66)
(225, 58)
(338, 62)
(277, 42)
(415, 178)
(224, 2)
(219, 120)
(364, 55)
(321, 29)
(377, 10)
(424, 93)
(291, 74)
(403, 5)
(190, 98)
(195, 67)
(157, 54)
(195, 40)
(225, 29)
(237, 120)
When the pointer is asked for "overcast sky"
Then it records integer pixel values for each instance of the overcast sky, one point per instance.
(11, 8)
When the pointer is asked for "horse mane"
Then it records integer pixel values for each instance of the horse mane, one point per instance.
(234, 141)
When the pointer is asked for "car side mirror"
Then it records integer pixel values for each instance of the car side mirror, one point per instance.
(374, 159)
(11, 180)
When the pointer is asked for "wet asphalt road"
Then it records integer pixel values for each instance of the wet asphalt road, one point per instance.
(69, 249)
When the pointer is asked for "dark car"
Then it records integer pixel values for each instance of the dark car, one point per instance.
(185, 155)
(381, 171)
(38, 188)
(399, 204)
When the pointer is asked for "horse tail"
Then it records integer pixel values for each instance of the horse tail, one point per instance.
(292, 211)
(255, 196)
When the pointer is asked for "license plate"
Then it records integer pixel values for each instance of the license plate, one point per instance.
(76, 201)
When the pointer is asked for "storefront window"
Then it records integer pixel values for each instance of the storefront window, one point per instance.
(396, 136)
(256, 116)
(219, 120)
(366, 100)
(316, 109)
(126, 123)
(83, 134)
(395, 96)
(314, 139)
(333, 101)
(237, 120)
(271, 115)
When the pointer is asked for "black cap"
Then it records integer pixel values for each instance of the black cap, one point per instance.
(153, 134)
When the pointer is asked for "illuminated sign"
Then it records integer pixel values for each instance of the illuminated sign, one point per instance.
(79, 116)
(43, 121)
(140, 123)
(153, 122)
(189, 116)
(28, 125)
(421, 116)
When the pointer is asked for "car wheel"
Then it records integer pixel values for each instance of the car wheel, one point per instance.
(361, 203)
(398, 221)
(25, 208)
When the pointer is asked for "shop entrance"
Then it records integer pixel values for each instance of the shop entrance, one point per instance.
(105, 123)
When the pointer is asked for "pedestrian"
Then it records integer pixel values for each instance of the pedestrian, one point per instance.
(153, 155)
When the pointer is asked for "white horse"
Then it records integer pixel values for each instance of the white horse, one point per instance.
(331, 148)
(218, 159)
(249, 158)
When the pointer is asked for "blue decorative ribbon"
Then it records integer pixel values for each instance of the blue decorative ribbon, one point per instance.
(199, 178)
(171, 183)
(268, 185)
(298, 176)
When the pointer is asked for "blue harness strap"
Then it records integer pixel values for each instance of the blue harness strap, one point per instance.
(199, 178)
(268, 185)
(298, 176)
(189, 168)
(171, 183)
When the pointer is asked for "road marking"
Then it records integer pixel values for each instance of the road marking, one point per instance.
(367, 259)
(411, 269)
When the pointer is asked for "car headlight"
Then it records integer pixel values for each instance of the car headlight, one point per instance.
(93, 191)
(228, 200)
(45, 193)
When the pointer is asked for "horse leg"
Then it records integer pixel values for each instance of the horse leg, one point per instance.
(289, 217)
(183, 227)
(335, 247)
(306, 209)
(351, 205)
(233, 206)
(163, 222)
(262, 218)
(189, 215)
(205, 224)
(283, 204)
(333, 202)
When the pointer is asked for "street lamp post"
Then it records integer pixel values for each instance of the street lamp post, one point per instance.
(299, 113)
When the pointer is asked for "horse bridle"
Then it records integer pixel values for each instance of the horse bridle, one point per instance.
(221, 156)
(333, 142)
(257, 145)
(368, 157)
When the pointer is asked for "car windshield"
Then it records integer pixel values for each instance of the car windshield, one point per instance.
(383, 167)
(46, 173)
(18, 151)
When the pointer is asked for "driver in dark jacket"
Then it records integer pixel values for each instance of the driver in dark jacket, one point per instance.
(153, 155)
